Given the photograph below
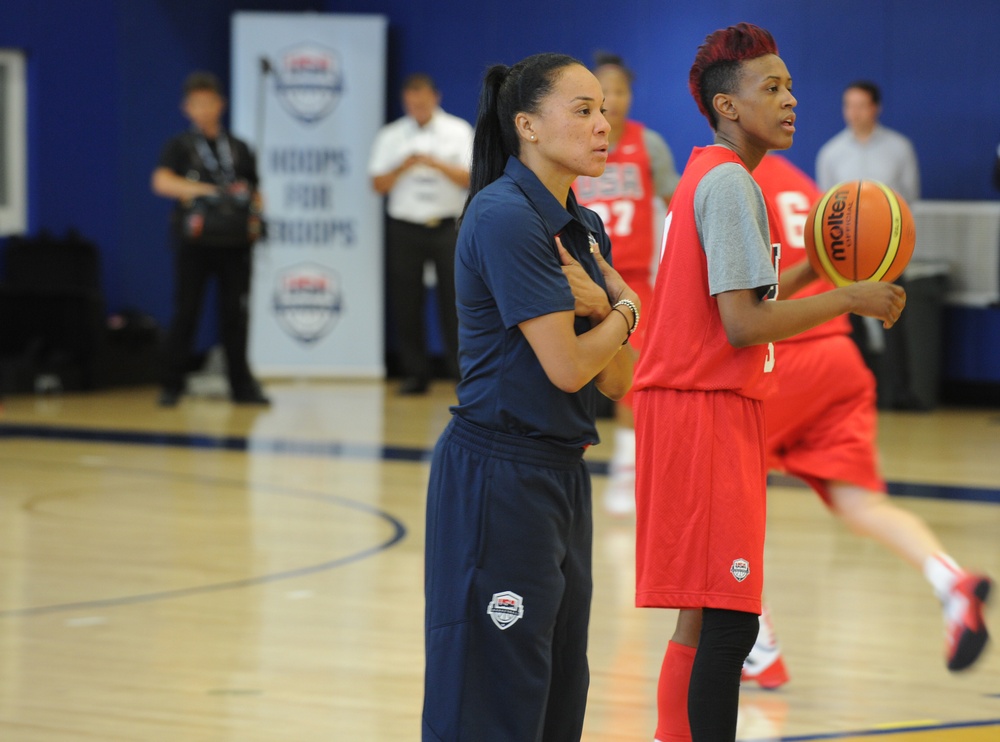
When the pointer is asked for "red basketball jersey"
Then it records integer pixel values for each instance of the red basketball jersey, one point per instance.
(686, 345)
(790, 194)
(623, 197)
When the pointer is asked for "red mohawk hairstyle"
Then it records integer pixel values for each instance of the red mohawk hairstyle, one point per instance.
(717, 64)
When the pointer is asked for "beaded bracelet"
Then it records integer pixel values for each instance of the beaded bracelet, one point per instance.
(635, 312)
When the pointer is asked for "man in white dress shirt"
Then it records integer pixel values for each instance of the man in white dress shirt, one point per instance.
(421, 162)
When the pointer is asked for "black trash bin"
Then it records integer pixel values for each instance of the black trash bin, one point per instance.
(907, 358)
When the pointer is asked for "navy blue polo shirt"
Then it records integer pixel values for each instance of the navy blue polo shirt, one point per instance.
(507, 271)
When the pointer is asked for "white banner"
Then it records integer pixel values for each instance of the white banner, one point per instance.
(13, 170)
(308, 95)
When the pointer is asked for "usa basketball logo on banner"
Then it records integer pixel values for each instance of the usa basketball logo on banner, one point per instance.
(309, 81)
(307, 301)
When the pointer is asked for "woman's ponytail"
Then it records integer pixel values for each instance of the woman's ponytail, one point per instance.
(506, 92)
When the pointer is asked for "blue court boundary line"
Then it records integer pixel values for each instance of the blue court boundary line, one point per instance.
(885, 732)
(333, 449)
(398, 533)
(371, 452)
(956, 493)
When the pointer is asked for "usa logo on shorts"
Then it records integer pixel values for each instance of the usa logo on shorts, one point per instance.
(740, 569)
(505, 609)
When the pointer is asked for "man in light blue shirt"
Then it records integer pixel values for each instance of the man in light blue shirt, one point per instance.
(868, 150)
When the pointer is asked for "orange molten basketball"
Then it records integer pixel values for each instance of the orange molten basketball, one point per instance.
(861, 230)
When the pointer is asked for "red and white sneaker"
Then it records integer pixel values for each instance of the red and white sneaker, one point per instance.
(966, 633)
(764, 664)
(765, 667)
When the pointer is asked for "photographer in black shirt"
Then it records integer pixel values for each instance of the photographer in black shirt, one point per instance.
(212, 176)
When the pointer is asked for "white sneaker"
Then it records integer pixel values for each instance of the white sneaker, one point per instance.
(619, 495)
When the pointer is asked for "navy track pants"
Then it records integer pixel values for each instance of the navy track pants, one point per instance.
(507, 587)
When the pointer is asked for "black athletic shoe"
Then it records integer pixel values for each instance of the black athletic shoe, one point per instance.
(413, 385)
(169, 398)
(252, 396)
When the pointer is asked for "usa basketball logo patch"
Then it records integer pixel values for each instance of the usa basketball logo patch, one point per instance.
(308, 300)
(506, 609)
(309, 81)
(740, 569)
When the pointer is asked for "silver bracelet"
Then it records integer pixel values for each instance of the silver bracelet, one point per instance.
(635, 312)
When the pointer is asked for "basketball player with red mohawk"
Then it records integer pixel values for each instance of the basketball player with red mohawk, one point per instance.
(701, 380)
(821, 428)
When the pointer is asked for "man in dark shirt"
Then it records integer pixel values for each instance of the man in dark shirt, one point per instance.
(200, 167)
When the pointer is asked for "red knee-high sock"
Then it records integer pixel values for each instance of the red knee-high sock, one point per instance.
(672, 694)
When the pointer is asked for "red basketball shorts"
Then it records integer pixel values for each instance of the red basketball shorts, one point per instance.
(700, 500)
(821, 424)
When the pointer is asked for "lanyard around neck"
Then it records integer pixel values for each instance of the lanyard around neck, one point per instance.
(222, 169)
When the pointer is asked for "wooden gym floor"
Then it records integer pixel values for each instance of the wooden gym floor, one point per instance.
(214, 573)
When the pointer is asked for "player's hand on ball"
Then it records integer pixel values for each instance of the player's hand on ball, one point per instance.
(884, 301)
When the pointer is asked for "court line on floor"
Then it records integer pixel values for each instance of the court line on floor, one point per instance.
(985, 723)
(398, 533)
(254, 444)
(956, 493)
(373, 452)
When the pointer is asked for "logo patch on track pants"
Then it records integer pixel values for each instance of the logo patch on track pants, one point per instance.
(505, 609)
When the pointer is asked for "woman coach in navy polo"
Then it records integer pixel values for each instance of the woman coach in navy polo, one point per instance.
(542, 316)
